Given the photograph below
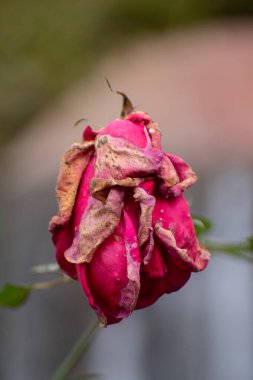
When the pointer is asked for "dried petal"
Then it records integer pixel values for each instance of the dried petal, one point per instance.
(187, 176)
(168, 175)
(119, 159)
(130, 292)
(100, 186)
(145, 233)
(73, 165)
(183, 257)
(99, 222)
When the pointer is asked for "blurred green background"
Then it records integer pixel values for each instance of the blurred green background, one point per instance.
(45, 46)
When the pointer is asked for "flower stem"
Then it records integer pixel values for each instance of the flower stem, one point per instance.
(51, 284)
(75, 354)
(240, 250)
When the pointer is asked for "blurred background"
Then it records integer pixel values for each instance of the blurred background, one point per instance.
(189, 64)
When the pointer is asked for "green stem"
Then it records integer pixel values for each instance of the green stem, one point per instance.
(75, 354)
(238, 250)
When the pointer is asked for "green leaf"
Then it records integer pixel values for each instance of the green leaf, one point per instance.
(201, 224)
(13, 295)
(250, 242)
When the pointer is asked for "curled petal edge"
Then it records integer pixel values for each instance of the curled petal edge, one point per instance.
(168, 175)
(171, 186)
(100, 186)
(180, 255)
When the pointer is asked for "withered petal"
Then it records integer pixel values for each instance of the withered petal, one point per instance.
(168, 175)
(130, 293)
(98, 186)
(98, 222)
(118, 158)
(194, 261)
(145, 233)
(72, 167)
(187, 177)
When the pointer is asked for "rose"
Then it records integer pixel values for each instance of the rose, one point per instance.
(123, 228)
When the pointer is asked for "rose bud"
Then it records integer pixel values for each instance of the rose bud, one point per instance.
(123, 228)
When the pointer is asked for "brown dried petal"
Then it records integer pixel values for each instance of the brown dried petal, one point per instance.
(118, 158)
(147, 204)
(130, 293)
(187, 177)
(99, 222)
(167, 174)
(100, 185)
(72, 167)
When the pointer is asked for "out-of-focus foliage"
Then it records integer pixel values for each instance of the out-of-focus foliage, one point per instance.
(45, 45)
(201, 224)
(13, 295)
